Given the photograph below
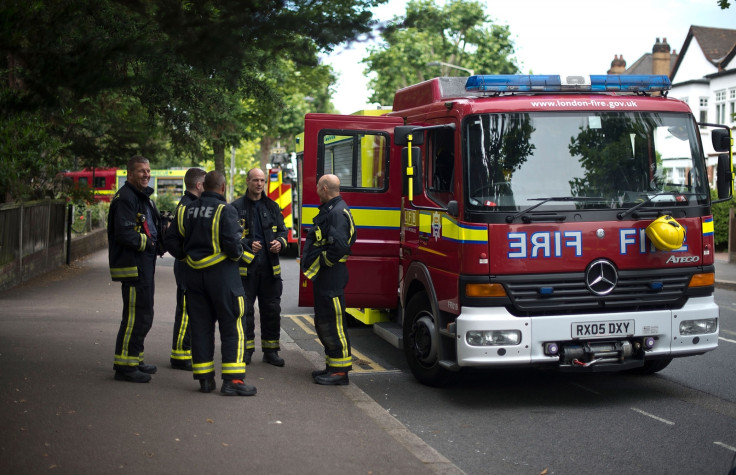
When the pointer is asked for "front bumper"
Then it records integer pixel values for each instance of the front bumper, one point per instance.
(662, 325)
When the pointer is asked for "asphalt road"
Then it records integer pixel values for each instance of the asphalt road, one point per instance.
(679, 421)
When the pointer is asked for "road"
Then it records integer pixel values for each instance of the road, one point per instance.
(679, 421)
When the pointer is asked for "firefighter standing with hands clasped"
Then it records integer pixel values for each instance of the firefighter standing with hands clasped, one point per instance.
(326, 250)
(265, 233)
(207, 235)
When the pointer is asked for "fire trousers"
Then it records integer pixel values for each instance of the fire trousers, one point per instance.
(137, 316)
(262, 285)
(181, 343)
(329, 317)
(215, 295)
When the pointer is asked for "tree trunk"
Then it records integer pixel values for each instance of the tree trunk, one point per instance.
(218, 149)
(266, 146)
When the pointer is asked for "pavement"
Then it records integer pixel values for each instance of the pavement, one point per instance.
(62, 411)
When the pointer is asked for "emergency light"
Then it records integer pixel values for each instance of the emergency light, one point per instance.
(556, 83)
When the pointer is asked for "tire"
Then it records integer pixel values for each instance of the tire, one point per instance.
(652, 366)
(421, 342)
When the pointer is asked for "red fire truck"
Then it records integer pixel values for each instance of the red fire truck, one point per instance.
(559, 221)
(100, 181)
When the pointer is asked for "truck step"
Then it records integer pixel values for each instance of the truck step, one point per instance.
(391, 332)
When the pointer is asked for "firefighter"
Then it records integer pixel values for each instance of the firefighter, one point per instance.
(326, 250)
(133, 230)
(265, 233)
(207, 235)
(181, 345)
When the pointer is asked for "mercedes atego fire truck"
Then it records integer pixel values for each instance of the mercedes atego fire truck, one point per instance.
(559, 221)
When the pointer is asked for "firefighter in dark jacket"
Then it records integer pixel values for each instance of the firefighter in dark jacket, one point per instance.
(207, 236)
(181, 343)
(133, 234)
(265, 233)
(326, 250)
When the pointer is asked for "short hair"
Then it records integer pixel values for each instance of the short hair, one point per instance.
(193, 176)
(247, 176)
(331, 183)
(213, 180)
(132, 161)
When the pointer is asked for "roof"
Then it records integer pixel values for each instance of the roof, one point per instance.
(643, 65)
(718, 45)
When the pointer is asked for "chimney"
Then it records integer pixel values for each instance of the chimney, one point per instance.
(618, 65)
(661, 58)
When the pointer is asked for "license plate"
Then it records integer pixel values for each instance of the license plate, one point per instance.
(614, 328)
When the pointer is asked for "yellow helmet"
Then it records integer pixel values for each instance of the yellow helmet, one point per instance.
(665, 233)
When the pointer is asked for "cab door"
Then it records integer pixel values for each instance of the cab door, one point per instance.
(360, 151)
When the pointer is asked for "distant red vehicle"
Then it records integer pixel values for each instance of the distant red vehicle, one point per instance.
(100, 180)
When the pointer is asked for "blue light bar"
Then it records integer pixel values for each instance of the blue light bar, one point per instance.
(555, 83)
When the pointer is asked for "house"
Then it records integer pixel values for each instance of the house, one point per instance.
(703, 75)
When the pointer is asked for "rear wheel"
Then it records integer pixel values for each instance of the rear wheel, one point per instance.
(421, 342)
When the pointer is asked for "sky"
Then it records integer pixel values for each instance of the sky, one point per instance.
(556, 37)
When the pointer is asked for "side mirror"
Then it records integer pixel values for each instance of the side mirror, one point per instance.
(412, 177)
(452, 209)
(402, 132)
(724, 180)
(721, 140)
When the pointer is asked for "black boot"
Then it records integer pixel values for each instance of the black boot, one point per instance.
(248, 356)
(333, 379)
(185, 365)
(237, 387)
(147, 368)
(207, 385)
(134, 376)
(272, 357)
(319, 372)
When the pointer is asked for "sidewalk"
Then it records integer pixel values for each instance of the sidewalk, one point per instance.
(63, 412)
(725, 272)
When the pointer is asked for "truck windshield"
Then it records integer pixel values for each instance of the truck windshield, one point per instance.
(611, 160)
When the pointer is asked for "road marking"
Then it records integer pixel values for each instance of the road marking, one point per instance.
(299, 321)
(653, 416)
(730, 332)
(732, 449)
(361, 363)
(726, 339)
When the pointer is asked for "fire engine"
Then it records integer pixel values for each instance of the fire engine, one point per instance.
(281, 190)
(169, 182)
(528, 220)
(100, 181)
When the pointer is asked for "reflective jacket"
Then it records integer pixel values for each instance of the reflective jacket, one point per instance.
(206, 233)
(272, 223)
(127, 234)
(330, 238)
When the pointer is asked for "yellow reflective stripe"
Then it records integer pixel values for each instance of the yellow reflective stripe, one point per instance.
(216, 230)
(340, 327)
(203, 368)
(247, 257)
(270, 344)
(312, 270)
(124, 359)
(352, 224)
(243, 271)
(233, 368)
(206, 261)
(277, 270)
(340, 362)
(327, 261)
(250, 345)
(180, 220)
(177, 352)
(144, 240)
(123, 272)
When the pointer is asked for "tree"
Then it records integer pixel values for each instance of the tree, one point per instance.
(458, 33)
(169, 78)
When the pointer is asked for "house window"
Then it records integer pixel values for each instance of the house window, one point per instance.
(721, 106)
(731, 106)
(703, 109)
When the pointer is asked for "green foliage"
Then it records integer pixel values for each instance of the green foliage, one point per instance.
(89, 216)
(96, 81)
(167, 202)
(457, 33)
(724, 4)
(720, 221)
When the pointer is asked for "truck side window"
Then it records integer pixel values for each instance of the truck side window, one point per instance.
(440, 151)
(358, 158)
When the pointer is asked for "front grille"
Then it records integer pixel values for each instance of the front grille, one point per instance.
(635, 290)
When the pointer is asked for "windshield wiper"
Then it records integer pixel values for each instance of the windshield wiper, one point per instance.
(510, 219)
(623, 214)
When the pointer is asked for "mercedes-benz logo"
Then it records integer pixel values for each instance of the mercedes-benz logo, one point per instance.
(601, 277)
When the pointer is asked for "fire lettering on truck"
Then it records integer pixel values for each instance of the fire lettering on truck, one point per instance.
(636, 238)
(544, 244)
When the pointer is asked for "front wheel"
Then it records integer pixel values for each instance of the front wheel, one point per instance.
(421, 342)
(652, 366)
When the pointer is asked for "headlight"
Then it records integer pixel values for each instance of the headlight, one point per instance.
(493, 337)
(698, 327)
